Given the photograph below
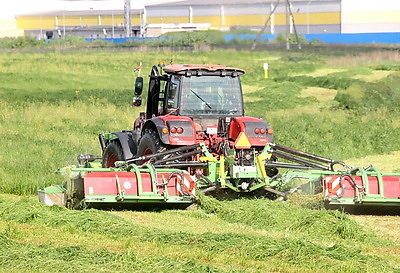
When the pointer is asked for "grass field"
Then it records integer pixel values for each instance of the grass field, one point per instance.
(341, 103)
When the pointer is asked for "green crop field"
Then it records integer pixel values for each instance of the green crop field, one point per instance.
(342, 103)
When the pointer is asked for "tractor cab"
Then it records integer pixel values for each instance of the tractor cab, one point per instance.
(202, 91)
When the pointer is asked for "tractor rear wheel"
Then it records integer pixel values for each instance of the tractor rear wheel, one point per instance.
(112, 153)
(150, 143)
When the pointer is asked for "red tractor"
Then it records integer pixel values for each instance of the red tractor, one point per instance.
(188, 105)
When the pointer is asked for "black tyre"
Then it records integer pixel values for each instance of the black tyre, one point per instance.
(150, 143)
(112, 153)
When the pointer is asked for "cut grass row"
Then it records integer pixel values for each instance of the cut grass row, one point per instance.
(78, 240)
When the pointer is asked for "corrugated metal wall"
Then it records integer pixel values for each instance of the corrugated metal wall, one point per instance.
(360, 16)
(310, 16)
(49, 22)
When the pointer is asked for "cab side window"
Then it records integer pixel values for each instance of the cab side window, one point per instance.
(172, 94)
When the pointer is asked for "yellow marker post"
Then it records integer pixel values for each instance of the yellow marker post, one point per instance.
(266, 70)
(222, 166)
(222, 171)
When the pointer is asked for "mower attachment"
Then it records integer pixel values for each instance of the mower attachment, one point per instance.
(366, 187)
(131, 187)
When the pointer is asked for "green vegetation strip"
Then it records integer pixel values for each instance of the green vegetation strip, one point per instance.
(22, 257)
(54, 103)
(299, 250)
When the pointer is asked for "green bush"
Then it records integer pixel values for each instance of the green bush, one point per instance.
(274, 96)
(281, 39)
(387, 67)
(20, 42)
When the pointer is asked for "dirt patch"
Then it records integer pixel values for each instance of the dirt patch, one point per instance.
(320, 72)
(375, 76)
(385, 163)
(321, 94)
(247, 89)
(385, 227)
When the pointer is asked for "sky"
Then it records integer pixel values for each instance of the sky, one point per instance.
(8, 9)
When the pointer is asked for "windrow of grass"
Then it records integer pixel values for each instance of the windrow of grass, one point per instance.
(371, 96)
(24, 257)
(291, 243)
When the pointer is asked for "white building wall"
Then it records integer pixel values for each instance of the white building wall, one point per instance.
(369, 16)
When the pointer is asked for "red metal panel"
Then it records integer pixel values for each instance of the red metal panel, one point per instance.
(175, 139)
(105, 183)
(172, 186)
(391, 186)
(238, 126)
(147, 185)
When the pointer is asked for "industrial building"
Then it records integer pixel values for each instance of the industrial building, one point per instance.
(305, 16)
(88, 24)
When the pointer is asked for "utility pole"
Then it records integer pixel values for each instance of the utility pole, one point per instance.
(273, 8)
(293, 24)
(290, 24)
(128, 21)
(287, 24)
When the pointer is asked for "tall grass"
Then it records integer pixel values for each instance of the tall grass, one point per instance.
(54, 104)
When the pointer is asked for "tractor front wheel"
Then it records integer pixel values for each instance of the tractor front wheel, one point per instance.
(112, 153)
(150, 143)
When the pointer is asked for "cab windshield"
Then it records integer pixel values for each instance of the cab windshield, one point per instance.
(211, 95)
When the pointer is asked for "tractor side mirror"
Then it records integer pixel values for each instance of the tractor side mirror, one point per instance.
(138, 86)
(137, 100)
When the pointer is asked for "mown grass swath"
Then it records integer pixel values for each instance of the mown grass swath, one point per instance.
(293, 239)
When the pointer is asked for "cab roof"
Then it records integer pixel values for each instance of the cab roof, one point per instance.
(193, 68)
